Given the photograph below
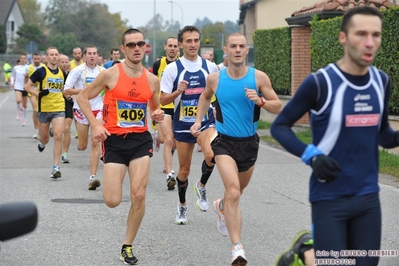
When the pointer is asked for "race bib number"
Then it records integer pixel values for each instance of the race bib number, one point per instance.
(88, 81)
(131, 114)
(188, 111)
(55, 85)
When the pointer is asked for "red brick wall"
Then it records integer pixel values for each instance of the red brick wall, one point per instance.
(300, 60)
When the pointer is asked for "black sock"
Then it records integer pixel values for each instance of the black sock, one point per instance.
(182, 188)
(206, 172)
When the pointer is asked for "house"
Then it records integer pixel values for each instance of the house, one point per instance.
(11, 18)
(296, 14)
(270, 14)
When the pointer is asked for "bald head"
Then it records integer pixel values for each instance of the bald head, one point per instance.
(63, 62)
(206, 56)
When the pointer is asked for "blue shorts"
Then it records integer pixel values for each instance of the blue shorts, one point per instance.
(181, 129)
(348, 223)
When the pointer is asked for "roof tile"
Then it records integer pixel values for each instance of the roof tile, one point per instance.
(341, 5)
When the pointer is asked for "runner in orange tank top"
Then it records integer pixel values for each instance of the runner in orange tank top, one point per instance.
(129, 88)
(125, 105)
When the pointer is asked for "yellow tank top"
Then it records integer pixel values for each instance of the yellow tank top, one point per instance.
(32, 68)
(162, 65)
(54, 101)
(73, 64)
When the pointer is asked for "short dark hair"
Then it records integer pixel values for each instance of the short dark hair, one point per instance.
(166, 42)
(89, 46)
(187, 29)
(115, 62)
(114, 49)
(129, 31)
(359, 10)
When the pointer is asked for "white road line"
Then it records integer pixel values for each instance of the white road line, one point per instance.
(4, 100)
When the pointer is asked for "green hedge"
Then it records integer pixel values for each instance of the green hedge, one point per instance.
(326, 48)
(273, 56)
(388, 56)
(273, 52)
(324, 43)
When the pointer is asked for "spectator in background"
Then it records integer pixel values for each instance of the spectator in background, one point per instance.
(225, 62)
(64, 64)
(100, 60)
(44, 60)
(19, 77)
(164, 132)
(33, 99)
(211, 55)
(77, 57)
(115, 55)
(7, 69)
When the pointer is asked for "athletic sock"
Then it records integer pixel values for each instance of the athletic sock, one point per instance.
(182, 188)
(206, 172)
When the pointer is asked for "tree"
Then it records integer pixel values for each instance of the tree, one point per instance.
(27, 33)
(89, 22)
(64, 42)
(61, 16)
(201, 23)
(31, 11)
(3, 40)
(231, 27)
(214, 33)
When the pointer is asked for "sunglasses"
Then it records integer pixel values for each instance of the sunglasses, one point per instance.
(134, 44)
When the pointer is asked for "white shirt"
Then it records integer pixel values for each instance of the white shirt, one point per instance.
(18, 75)
(221, 66)
(79, 78)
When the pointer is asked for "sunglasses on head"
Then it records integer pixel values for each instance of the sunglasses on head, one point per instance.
(134, 44)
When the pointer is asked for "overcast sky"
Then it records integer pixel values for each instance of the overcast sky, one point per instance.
(139, 12)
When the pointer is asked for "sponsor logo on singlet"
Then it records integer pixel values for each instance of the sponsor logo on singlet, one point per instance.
(362, 120)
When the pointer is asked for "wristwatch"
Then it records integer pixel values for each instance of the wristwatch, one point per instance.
(263, 102)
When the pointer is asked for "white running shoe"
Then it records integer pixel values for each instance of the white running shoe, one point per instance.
(64, 158)
(181, 215)
(170, 181)
(56, 173)
(94, 182)
(202, 201)
(238, 255)
(221, 224)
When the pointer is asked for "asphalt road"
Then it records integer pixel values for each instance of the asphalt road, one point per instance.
(76, 228)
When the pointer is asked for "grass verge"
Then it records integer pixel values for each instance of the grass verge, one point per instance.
(389, 163)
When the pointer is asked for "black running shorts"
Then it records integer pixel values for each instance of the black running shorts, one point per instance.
(244, 151)
(124, 148)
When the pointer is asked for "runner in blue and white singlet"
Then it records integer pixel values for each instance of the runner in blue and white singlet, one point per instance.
(348, 106)
(183, 81)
